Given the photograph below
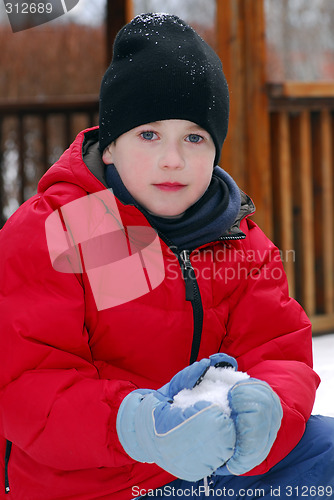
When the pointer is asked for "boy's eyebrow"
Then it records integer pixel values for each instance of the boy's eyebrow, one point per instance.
(190, 126)
(149, 123)
(197, 128)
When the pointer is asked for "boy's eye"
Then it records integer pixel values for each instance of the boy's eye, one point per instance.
(194, 138)
(148, 135)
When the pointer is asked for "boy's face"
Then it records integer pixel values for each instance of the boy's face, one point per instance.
(166, 165)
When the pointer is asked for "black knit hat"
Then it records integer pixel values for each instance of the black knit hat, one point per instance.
(162, 69)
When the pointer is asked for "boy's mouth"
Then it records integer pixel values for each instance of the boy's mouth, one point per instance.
(169, 186)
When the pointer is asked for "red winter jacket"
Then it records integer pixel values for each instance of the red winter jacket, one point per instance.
(66, 366)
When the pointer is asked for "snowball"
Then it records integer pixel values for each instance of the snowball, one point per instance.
(213, 388)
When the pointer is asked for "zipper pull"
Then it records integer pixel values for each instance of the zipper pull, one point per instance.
(7, 455)
(188, 274)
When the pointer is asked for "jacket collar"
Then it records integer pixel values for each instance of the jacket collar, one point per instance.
(247, 208)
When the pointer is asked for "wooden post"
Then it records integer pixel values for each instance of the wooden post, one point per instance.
(230, 49)
(281, 163)
(119, 12)
(257, 114)
(323, 209)
(246, 154)
(303, 209)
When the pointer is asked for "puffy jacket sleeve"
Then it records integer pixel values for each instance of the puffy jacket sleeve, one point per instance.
(53, 405)
(270, 335)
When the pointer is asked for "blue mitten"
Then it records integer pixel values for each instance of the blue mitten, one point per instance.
(257, 414)
(189, 443)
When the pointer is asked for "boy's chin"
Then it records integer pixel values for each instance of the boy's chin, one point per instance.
(165, 216)
(172, 216)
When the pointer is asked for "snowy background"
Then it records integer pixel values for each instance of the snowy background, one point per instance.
(323, 353)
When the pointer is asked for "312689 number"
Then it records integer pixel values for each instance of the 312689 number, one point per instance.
(309, 491)
(29, 8)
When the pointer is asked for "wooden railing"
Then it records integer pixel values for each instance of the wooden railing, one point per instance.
(33, 134)
(302, 169)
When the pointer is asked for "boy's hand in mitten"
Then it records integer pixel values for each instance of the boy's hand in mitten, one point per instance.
(189, 443)
(257, 414)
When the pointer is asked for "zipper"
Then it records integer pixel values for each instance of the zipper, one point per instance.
(7, 455)
(207, 481)
(206, 487)
(192, 295)
(188, 274)
(230, 237)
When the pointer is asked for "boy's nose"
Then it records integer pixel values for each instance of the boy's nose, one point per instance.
(172, 157)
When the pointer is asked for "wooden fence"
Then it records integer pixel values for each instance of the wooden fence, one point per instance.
(302, 169)
(33, 134)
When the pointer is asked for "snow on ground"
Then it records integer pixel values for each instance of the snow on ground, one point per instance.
(323, 358)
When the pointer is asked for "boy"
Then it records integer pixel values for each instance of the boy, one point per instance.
(132, 272)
